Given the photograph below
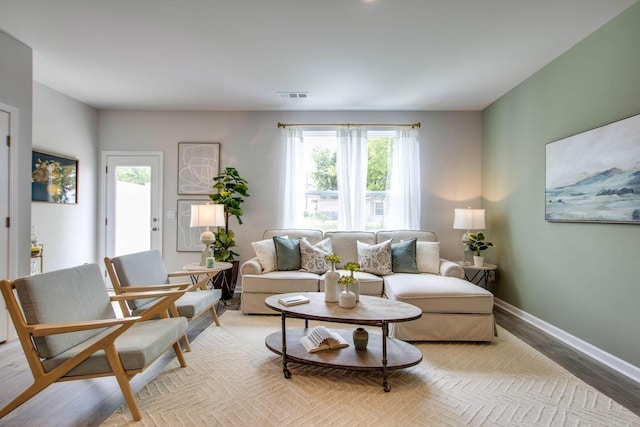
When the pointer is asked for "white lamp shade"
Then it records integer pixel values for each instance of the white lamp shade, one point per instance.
(469, 219)
(207, 215)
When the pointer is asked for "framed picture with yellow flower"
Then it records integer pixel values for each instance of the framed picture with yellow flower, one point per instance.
(54, 178)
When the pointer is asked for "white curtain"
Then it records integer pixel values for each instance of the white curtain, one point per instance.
(403, 187)
(293, 197)
(352, 161)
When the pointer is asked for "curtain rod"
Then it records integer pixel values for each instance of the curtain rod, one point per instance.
(413, 125)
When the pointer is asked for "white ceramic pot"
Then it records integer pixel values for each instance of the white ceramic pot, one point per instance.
(478, 261)
(347, 299)
(355, 288)
(331, 286)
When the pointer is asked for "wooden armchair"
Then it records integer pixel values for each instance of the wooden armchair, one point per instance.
(64, 318)
(142, 271)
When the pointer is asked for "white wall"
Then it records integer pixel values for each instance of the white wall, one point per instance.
(64, 126)
(15, 91)
(251, 142)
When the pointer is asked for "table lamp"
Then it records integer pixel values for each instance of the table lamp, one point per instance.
(207, 216)
(468, 219)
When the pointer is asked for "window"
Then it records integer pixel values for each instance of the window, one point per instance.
(341, 179)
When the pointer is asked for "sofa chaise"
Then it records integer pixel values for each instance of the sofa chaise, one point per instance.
(453, 309)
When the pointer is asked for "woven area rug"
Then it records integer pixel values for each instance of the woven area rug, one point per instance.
(234, 380)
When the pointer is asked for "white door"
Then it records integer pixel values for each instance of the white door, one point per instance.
(133, 202)
(4, 214)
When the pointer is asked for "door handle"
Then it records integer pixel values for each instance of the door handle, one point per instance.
(154, 229)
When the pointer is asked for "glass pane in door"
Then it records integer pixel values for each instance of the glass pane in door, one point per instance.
(132, 209)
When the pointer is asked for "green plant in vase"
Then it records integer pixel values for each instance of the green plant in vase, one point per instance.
(332, 259)
(232, 191)
(345, 280)
(352, 267)
(476, 242)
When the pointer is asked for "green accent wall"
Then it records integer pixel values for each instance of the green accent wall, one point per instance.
(582, 278)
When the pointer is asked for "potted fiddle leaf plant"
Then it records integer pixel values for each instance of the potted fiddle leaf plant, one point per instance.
(476, 243)
(232, 192)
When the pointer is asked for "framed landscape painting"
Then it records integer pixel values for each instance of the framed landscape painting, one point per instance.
(595, 176)
(54, 178)
(198, 163)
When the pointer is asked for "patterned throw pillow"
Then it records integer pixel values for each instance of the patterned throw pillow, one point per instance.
(266, 252)
(287, 254)
(312, 256)
(428, 257)
(375, 259)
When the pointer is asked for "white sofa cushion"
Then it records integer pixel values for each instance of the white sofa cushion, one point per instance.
(428, 257)
(280, 282)
(344, 244)
(438, 294)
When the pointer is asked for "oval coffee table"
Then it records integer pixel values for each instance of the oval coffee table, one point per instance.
(382, 353)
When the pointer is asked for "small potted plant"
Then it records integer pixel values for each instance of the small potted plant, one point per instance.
(347, 299)
(331, 279)
(352, 267)
(332, 259)
(476, 243)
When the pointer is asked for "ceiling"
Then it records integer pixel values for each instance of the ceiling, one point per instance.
(346, 54)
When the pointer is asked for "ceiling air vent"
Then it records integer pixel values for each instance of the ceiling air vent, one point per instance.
(293, 95)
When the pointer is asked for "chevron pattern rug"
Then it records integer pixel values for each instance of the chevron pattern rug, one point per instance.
(234, 380)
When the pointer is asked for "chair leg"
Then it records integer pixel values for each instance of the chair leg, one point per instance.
(179, 354)
(123, 381)
(187, 346)
(215, 315)
(34, 389)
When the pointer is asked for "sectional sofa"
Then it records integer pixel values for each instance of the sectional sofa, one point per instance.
(453, 309)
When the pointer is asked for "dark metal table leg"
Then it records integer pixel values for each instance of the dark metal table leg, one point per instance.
(285, 370)
(385, 332)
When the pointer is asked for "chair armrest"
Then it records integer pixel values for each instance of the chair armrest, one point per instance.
(251, 266)
(451, 269)
(153, 288)
(151, 294)
(44, 329)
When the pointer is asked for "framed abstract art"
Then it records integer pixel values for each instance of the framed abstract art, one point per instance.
(198, 163)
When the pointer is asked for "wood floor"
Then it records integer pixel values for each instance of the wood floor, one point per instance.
(90, 402)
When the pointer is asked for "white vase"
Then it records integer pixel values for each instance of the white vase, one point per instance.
(331, 286)
(355, 288)
(347, 299)
(478, 261)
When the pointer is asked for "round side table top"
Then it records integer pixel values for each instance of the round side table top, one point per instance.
(195, 266)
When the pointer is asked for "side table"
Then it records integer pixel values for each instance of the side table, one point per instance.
(219, 266)
(480, 276)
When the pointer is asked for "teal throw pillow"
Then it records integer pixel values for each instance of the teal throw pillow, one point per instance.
(287, 253)
(403, 257)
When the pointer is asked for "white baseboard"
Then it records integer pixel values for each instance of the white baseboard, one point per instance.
(623, 367)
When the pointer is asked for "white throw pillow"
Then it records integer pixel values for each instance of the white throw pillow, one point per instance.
(428, 257)
(266, 252)
(312, 256)
(375, 259)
